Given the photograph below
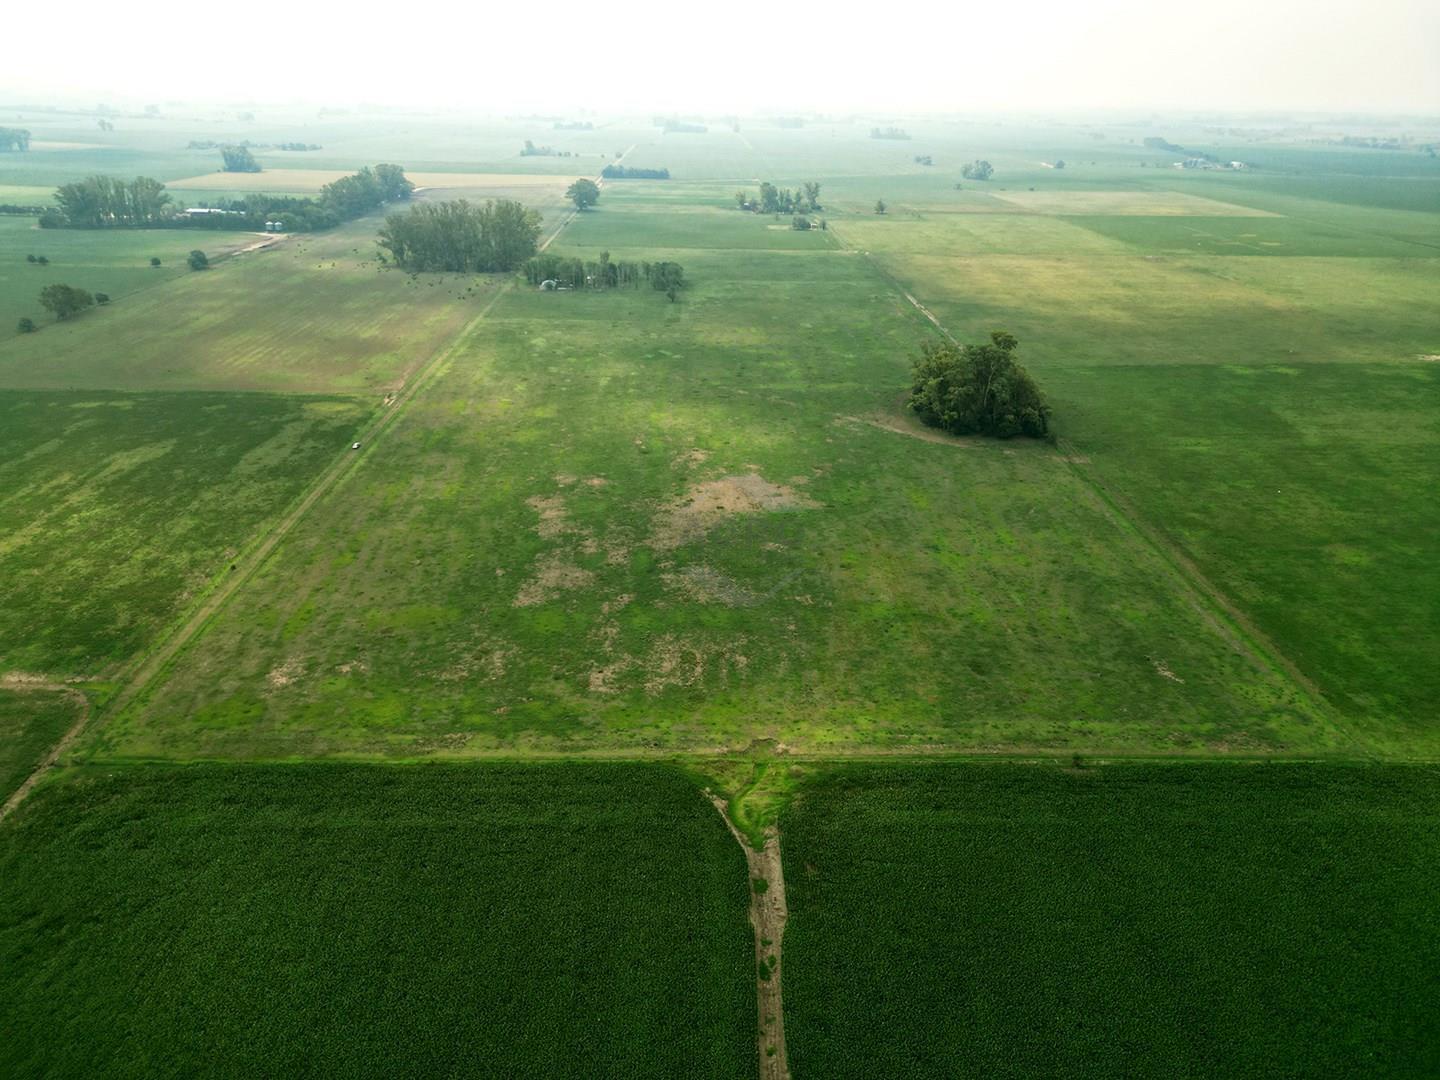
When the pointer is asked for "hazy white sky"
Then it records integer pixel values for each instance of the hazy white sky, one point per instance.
(662, 56)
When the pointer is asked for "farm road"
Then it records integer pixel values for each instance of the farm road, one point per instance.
(768, 914)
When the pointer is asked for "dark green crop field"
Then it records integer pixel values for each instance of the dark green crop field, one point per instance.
(343, 921)
(1166, 921)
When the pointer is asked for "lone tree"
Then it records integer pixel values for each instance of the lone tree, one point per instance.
(154, 260)
(64, 300)
(977, 170)
(667, 277)
(102, 298)
(198, 260)
(978, 389)
(583, 193)
(879, 206)
(26, 325)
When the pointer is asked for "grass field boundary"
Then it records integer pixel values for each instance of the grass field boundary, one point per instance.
(1222, 613)
(20, 683)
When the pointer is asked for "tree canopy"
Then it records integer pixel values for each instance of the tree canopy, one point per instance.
(978, 389)
(461, 236)
(977, 170)
(583, 193)
(100, 201)
(14, 139)
(239, 159)
(64, 300)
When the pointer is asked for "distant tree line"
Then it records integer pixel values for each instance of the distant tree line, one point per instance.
(628, 172)
(560, 271)
(211, 144)
(978, 169)
(14, 139)
(773, 200)
(1155, 142)
(106, 202)
(574, 125)
(978, 390)
(676, 126)
(889, 133)
(924, 159)
(239, 159)
(21, 211)
(531, 150)
(461, 237)
(790, 122)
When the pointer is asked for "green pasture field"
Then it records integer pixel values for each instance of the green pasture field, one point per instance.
(315, 313)
(113, 261)
(610, 525)
(31, 722)
(1167, 921)
(359, 921)
(613, 523)
(118, 509)
(1308, 496)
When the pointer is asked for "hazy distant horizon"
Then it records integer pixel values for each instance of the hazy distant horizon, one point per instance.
(1117, 55)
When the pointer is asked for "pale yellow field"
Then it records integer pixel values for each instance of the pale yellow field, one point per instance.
(1136, 203)
(302, 180)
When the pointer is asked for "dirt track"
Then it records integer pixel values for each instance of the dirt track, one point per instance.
(768, 914)
(18, 681)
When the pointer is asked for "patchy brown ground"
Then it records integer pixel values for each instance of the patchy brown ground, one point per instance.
(709, 502)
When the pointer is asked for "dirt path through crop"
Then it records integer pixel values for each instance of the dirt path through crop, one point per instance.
(768, 914)
(18, 681)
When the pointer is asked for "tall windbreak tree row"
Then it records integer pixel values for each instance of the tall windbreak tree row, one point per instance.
(462, 237)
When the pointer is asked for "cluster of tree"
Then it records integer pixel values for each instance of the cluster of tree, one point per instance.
(39, 260)
(1155, 142)
(103, 201)
(889, 133)
(584, 193)
(628, 172)
(14, 139)
(21, 211)
(462, 237)
(560, 271)
(299, 146)
(574, 125)
(239, 159)
(65, 300)
(104, 125)
(924, 159)
(773, 200)
(1059, 163)
(675, 126)
(804, 224)
(978, 389)
(531, 150)
(99, 202)
(366, 190)
(977, 170)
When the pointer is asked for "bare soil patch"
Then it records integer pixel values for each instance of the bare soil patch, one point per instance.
(709, 502)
